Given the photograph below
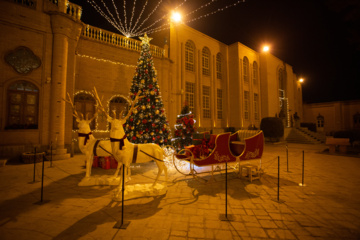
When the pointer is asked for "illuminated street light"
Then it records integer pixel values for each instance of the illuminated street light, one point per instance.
(176, 17)
(266, 48)
(301, 80)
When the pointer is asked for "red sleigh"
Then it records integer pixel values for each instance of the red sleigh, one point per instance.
(228, 149)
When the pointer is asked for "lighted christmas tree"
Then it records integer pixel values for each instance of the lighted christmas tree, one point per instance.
(147, 123)
(184, 129)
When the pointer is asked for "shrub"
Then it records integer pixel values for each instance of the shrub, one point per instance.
(272, 127)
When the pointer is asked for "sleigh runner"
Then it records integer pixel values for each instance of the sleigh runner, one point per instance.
(227, 149)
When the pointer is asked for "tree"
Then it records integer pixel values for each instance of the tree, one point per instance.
(184, 129)
(147, 123)
(272, 127)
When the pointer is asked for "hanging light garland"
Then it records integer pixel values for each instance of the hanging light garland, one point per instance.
(128, 29)
(105, 60)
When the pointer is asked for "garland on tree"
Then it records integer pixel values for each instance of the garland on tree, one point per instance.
(184, 129)
(147, 123)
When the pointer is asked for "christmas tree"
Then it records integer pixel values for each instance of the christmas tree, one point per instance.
(147, 123)
(184, 129)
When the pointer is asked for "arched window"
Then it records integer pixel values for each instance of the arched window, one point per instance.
(189, 56)
(23, 106)
(246, 69)
(117, 104)
(255, 73)
(85, 105)
(320, 121)
(218, 66)
(206, 61)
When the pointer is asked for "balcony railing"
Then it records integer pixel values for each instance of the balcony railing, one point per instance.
(118, 40)
(73, 10)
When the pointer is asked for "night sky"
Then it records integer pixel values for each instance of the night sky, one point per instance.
(319, 38)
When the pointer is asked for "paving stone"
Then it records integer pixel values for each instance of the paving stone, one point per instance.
(257, 232)
(268, 224)
(196, 232)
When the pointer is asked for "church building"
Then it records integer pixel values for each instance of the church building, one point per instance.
(47, 52)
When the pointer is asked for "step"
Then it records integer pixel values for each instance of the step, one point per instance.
(58, 151)
(56, 157)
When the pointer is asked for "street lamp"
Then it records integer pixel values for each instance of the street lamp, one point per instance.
(266, 48)
(176, 17)
(301, 80)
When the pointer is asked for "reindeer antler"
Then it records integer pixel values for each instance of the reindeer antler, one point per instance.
(75, 113)
(137, 98)
(99, 102)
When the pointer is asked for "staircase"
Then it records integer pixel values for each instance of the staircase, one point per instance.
(303, 135)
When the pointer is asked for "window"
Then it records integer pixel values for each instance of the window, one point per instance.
(246, 70)
(246, 105)
(190, 95)
(85, 105)
(206, 61)
(218, 66)
(219, 104)
(189, 56)
(256, 106)
(255, 73)
(117, 104)
(23, 106)
(206, 102)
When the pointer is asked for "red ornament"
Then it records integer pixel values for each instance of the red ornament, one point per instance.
(144, 121)
(146, 130)
(153, 138)
(133, 138)
(153, 106)
(150, 85)
(153, 124)
(165, 140)
(131, 119)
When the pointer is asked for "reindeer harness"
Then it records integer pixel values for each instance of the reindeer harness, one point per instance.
(121, 140)
(86, 135)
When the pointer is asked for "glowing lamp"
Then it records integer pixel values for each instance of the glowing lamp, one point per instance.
(301, 80)
(266, 48)
(176, 17)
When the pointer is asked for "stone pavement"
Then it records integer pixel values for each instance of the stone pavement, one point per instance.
(328, 207)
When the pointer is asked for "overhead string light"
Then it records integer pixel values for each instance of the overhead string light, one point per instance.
(99, 10)
(167, 25)
(216, 11)
(128, 29)
(201, 7)
(141, 13)
(125, 21)
(132, 14)
(160, 19)
(152, 12)
(113, 18)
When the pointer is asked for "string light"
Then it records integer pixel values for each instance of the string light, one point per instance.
(105, 60)
(128, 29)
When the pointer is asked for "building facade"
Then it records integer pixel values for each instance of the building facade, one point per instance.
(333, 116)
(48, 52)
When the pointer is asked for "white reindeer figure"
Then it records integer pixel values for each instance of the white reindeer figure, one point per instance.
(87, 143)
(127, 152)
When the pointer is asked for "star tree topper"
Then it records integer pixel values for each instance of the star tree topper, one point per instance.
(145, 39)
